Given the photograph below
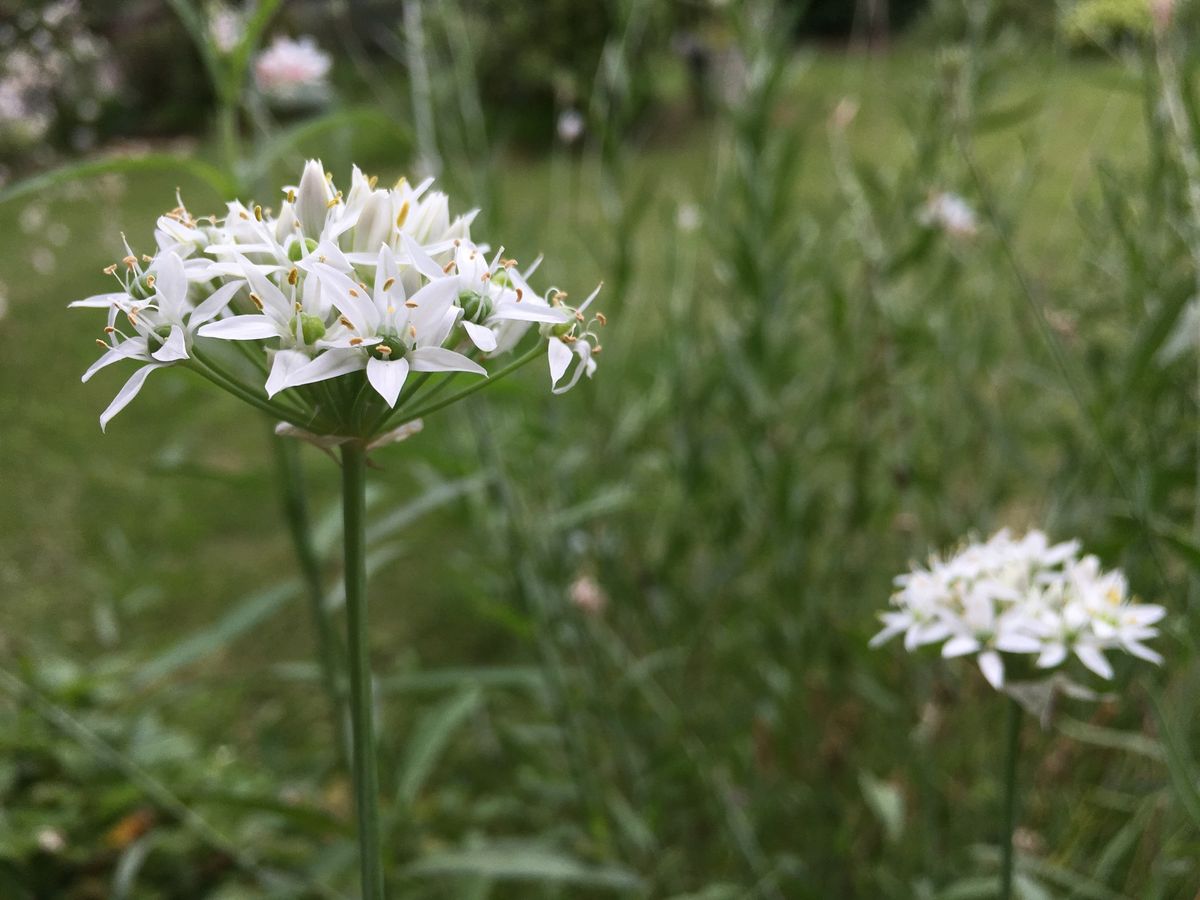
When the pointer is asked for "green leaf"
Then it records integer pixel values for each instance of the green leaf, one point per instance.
(244, 616)
(306, 132)
(1112, 739)
(129, 865)
(522, 862)
(430, 740)
(121, 165)
(886, 801)
(1180, 764)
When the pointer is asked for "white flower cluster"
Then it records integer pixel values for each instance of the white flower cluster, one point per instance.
(1020, 596)
(293, 73)
(375, 281)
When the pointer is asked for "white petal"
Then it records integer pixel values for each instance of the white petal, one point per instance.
(127, 392)
(173, 348)
(1141, 650)
(560, 359)
(170, 283)
(526, 311)
(134, 347)
(387, 377)
(1052, 656)
(481, 336)
(992, 668)
(312, 199)
(959, 646)
(439, 359)
(284, 364)
(1018, 643)
(270, 295)
(348, 297)
(1094, 660)
(329, 364)
(100, 301)
(240, 328)
(422, 260)
(214, 305)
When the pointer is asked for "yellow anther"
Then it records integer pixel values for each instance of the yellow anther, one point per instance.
(103, 344)
(291, 196)
(520, 294)
(254, 298)
(578, 316)
(402, 216)
(258, 212)
(110, 270)
(596, 349)
(400, 182)
(108, 329)
(147, 258)
(412, 330)
(293, 276)
(372, 181)
(410, 304)
(346, 322)
(601, 318)
(353, 292)
(387, 285)
(130, 261)
(355, 341)
(243, 214)
(384, 350)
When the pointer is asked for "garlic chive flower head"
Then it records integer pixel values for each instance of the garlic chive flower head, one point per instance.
(340, 313)
(1020, 597)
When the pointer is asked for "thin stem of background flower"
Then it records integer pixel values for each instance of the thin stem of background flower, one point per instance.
(1011, 758)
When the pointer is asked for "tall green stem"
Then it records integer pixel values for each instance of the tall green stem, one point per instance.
(1010, 798)
(366, 777)
(295, 511)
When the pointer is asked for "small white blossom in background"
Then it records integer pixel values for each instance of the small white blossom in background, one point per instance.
(225, 27)
(571, 125)
(376, 284)
(51, 840)
(293, 73)
(950, 213)
(1020, 597)
(688, 218)
(587, 596)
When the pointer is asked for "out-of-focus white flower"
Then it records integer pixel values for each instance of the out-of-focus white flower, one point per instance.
(951, 213)
(1026, 596)
(293, 73)
(51, 840)
(588, 596)
(225, 28)
(688, 218)
(571, 125)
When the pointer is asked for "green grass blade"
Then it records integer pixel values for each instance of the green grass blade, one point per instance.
(121, 165)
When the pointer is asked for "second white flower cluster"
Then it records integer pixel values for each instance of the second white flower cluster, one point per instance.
(1023, 597)
(376, 280)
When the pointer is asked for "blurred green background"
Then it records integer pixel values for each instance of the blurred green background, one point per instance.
(621, 635)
